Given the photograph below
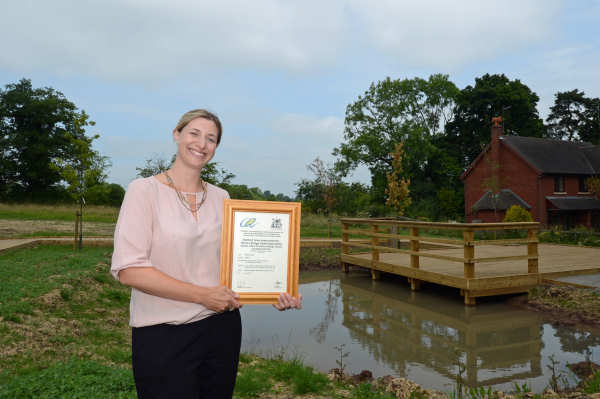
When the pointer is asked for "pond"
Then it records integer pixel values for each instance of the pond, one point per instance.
(384, 327)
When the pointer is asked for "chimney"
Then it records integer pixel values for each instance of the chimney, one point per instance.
(497, 128)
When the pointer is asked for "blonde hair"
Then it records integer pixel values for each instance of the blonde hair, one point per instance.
(200, 113)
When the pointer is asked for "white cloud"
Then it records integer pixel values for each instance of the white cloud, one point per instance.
(454, 33)
(129, 40)
(150, 41)
(564, 69)
(278, 161)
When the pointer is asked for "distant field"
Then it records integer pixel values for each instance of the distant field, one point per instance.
(33, 220)
(92, 213)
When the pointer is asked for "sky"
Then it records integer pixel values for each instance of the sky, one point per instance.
(278, 73)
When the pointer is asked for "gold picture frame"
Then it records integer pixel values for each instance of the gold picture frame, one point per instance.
(256, 238)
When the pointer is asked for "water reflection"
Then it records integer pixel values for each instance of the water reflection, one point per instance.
(390, 330)
(403, 329)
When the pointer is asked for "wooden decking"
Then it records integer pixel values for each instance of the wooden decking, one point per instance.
(554, 261)
(476, 267)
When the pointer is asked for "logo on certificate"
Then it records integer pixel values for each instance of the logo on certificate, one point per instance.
(248, 222)
(276, 224)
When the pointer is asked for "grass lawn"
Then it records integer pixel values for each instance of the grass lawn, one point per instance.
(64, 334)
(92, 213)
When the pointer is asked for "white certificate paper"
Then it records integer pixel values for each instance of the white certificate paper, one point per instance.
(260, 252)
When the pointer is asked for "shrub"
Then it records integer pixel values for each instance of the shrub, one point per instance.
(517, 213)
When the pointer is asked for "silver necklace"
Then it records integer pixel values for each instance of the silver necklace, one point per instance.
(186, 204)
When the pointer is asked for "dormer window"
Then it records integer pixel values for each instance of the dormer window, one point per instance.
(559, 184)
(583, 188)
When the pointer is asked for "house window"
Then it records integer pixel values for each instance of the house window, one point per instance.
(559, 184)
(583, 188)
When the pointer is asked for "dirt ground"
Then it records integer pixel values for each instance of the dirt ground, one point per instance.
(564, 305)
(19, 228)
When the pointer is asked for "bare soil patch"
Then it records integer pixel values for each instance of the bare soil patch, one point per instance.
(18, 228)
(564, 305)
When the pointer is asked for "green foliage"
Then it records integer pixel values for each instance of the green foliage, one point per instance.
(592, 385)
(517, 213)
(397, 191)
(410, 111)
(105, 194)
(303, 378)
(72, 379)
(367, 391)
(574, 117)
(320, 194)
(44, 145)
(257, 376)
(578, 236)
(154, 166)
(251, 382)
(492, 95)
(593, 184)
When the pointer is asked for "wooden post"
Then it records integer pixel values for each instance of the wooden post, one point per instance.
(76, 235)
(469, 266)
(532, 250)
(345, 266)
(469, 254)
(414, 259)
(469, 300)
(374, 253)
(394, 242)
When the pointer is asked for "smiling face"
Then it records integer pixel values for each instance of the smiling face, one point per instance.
(197, 142)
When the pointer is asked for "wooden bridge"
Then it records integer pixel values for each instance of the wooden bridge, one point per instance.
(467, 256)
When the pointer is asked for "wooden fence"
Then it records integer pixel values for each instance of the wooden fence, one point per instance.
(384, 238)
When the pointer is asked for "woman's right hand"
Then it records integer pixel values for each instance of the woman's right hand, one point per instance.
(220, 299)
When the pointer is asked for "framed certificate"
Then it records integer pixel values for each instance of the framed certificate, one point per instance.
(260, 247)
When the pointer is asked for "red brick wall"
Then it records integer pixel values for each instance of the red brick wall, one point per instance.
(514, 173)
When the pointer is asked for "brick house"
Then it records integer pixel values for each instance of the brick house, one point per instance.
(546, 177)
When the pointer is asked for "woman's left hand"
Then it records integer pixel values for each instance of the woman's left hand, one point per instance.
(286, 301)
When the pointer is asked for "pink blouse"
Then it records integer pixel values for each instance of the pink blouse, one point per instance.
(154, 229)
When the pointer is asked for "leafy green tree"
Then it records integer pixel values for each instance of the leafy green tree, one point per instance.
(213, 174)
(210, 173)
(574, 117)
(110, 194)
(44, 144)
(154, 166)
(409, 111)
(492, 95)
(320, 194)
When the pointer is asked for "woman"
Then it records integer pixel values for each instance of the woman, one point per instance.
(186, 329)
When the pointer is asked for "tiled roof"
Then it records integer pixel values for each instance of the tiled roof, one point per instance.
(575, 203)
(504, 200)
(555, 156)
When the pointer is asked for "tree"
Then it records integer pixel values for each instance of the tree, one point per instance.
(211, 173)
(593, 184)
(154, 166)
(43, 143)
(397, 191)
(574, 117)
(320, 194)
(492, 95)
(409, 111)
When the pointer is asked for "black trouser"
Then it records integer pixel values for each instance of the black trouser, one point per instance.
(196, 360)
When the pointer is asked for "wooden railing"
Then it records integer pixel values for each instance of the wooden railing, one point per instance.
(378, 229)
